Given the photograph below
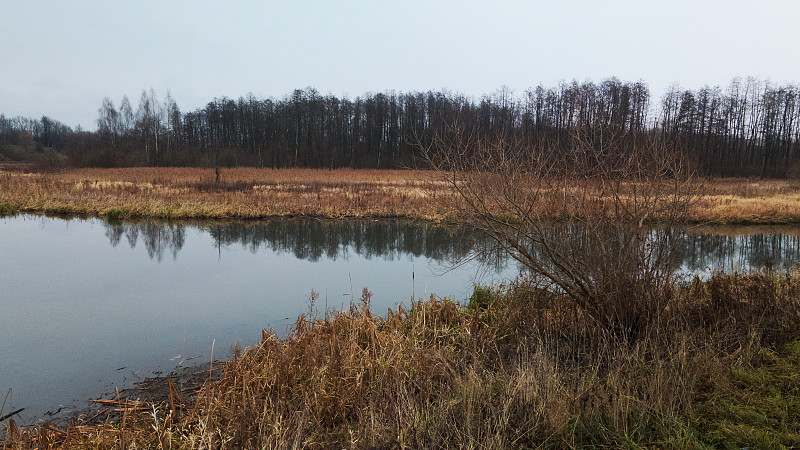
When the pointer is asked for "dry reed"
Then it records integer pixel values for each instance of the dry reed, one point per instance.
(260, 193)
(240, 193)
(520, 367)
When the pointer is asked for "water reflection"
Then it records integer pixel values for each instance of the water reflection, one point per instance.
(698, 250)
(739, 249)
(157, 238)
(146, 313)
(310, 240)
(162, 292)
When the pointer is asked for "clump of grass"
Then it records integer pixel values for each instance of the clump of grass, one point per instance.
(482, 297)
(7, 209)
(756, 403)
(114, 214)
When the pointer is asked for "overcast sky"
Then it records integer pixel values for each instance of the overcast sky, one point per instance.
(60, 58)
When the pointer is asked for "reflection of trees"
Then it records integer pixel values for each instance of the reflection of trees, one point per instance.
(727, 253)
(694, 252)
(157, 237)
(700, 251)
(314, 239)
(596, 251)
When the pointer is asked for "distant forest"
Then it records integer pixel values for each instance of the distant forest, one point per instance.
(750, 128)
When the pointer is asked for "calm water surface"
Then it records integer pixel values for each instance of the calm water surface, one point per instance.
(87, 306)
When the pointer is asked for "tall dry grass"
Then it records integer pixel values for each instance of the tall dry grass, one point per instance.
(519, 367)
(260, 193)
(240, 192)
(740, 200)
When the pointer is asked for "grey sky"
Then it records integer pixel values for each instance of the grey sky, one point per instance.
(61, 58)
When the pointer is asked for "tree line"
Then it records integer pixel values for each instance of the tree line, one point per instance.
(750, 128)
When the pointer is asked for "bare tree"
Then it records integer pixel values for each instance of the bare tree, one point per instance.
(144, 122)
(108, 126)
(596, 222)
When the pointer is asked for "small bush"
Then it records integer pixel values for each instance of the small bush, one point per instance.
(15, 153)
(7, 209)
(50, 158)
(115, 214)
(482, 297)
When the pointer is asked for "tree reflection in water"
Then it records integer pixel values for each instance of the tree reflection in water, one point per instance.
(740, 249)
(158, 237)
(697, 251)
(310, 239)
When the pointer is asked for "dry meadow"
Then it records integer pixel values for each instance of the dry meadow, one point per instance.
(250, 193)
(240, 193)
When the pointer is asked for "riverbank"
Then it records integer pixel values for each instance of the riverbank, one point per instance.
(248, 193)
(241, 193)
(517, 367)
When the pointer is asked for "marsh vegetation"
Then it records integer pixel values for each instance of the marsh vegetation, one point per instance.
(519, 367)
(249, 193)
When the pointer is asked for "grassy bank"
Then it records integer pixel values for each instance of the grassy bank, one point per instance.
(260, 193)
(715, 365)
(240, 193)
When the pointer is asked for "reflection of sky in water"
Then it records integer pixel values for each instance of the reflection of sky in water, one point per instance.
(83, 298)
(75, 309)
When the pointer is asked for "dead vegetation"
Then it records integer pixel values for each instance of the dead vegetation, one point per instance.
(518, 367)
(597, 348)
(261, 193)
(752, 201)
(240, 193)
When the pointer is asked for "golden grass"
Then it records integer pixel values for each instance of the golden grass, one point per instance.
(252, 193)
(241, 193)
(748, 201)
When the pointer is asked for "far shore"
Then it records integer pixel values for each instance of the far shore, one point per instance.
(251, 193)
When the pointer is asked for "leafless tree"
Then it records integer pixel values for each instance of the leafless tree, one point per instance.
(596, 222)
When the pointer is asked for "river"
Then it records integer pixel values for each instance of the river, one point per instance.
(88, 306)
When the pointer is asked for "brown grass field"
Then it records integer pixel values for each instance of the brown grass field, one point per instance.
(241, 193)
(251, 193)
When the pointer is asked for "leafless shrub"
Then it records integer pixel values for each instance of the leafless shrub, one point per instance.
(597, 222)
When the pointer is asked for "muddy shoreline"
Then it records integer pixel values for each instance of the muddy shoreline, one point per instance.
(177, 389)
